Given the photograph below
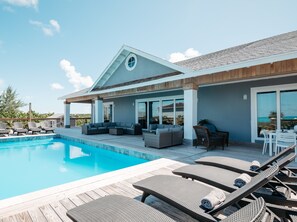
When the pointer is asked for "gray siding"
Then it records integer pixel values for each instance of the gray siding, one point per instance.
(124, 108)
(144, 69)
(224, 106)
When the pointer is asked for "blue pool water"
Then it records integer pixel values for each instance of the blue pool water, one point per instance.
(33, 165)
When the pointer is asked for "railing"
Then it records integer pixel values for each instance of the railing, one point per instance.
(56, 122)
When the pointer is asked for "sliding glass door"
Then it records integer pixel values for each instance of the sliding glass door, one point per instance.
(142, 114)
(160, 110)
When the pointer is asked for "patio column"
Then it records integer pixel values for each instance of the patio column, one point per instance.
(66, 114)
(98, 110)
(190, 110)
(92, 112)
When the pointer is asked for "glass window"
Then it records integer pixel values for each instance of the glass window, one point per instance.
(131, 62)
(167, 112)
(288, 105)
(154, 112)
(179, 112)
(108, 113)
(266, 113)
(142, 114)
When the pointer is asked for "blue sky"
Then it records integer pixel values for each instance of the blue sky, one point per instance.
(49, 48)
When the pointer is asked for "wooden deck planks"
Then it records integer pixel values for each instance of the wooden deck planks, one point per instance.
(23, 217)
(56, 211)
(49, 213)
(36, 215)
(60, 210)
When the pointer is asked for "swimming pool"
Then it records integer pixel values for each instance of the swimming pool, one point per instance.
(33, 165)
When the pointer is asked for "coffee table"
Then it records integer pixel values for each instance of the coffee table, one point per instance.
(116, 131)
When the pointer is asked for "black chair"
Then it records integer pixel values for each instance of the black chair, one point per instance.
(213, 130)
(205, 138)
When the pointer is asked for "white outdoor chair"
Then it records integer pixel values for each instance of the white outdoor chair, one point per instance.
(284, 140)
(265, 134)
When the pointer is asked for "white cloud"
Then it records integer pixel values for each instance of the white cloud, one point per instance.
(179, 56)
(55, 24)
(25, 3)
(56, 86)
(75, 78)
(47, 29)
(1, 82)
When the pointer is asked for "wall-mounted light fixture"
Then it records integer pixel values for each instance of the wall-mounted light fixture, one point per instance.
(244, 97)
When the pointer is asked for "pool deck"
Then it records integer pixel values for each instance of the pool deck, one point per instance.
(51, 204)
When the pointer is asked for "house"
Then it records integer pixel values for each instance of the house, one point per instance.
(240, 89)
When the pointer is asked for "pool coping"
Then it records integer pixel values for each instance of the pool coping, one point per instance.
(26, 137)
(118, 149)
(59, 192)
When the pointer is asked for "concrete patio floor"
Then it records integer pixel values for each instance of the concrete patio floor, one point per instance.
(52, 205)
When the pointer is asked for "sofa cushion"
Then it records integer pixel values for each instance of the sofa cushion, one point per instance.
(210, 127)
(168, 126)
(106, 124)
(159, 131)
(112, 125)
(153, 127)
(175, 129)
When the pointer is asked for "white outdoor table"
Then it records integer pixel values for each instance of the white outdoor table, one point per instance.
(271, 136)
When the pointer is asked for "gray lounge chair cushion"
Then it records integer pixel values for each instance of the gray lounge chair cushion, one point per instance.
(241, 166)
(183, 194)
(186, 194)
(116, 208)
(215, 176)
(229, 163)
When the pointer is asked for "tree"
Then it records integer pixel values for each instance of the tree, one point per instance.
(10, 104)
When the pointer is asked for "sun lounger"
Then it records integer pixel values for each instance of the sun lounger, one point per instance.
(224, 178)
(116, 208)
(33, 127)
(186, 194)
(3, 129)
(242, 166)
(45, 125)
(120, 208)
(18, 128)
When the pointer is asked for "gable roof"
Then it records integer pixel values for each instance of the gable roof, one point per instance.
(277, 48)
(121, 56)
(276, 45)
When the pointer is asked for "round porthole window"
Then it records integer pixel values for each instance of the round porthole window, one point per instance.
(131, 62)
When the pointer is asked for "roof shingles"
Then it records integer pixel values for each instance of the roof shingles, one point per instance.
(275, 45)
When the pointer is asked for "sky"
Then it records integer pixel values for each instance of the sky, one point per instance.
(50, 48)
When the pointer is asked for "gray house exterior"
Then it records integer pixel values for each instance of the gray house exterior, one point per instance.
(242, 89)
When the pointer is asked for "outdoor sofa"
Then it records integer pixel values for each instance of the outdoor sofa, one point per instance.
(102, 128)
(164, 137)
(121, 208)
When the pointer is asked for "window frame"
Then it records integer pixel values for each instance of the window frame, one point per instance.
(254, 107)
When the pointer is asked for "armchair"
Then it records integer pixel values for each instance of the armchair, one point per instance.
(205, 138)
(213, 130)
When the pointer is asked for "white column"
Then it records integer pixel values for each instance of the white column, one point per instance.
(98, 111)
(92, 113)
(190, 112)
(66, 115)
